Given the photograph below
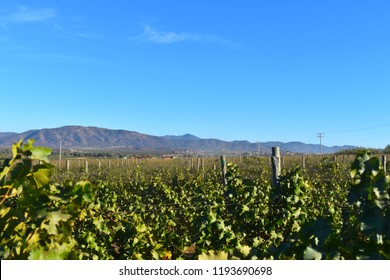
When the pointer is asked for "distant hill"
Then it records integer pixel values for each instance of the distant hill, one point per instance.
(182, 137)
(101, 138)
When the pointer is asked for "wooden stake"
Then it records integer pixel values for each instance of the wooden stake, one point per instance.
(276, 170)
(223, 166)
(384, 163)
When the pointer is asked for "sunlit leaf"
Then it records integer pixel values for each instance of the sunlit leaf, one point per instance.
(212, 255)
(311, 254)
(40, 153)
(54, 218)
(41, 176)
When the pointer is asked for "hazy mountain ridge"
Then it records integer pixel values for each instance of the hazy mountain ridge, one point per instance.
(181, 137)
(102, 138)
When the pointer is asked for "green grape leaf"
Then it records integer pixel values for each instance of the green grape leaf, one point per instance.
(311, 254)
(41, 176)
(54, 219)
(40, 153)
(212, 255)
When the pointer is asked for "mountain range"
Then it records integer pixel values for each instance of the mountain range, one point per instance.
(82, 137)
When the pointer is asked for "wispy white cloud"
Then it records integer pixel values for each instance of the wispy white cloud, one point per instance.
(24, 14)
(153, 35)
(68, 28)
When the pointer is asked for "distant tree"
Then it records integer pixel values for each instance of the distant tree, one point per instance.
(387, 149)
(354, 151)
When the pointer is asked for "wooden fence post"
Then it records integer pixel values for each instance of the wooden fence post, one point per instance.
(223, 166)
(303, 162)
(86, 166)
(384, 163)
(67, 164)
(276, 170)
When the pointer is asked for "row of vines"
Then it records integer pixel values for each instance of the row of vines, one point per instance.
(328, 211)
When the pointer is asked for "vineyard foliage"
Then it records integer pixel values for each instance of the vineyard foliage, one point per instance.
(325, 212)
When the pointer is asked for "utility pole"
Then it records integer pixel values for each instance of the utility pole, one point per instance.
(320, 135)
(60, 149)
(258, 148)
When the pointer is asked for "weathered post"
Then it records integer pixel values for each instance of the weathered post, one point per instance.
(223, 166)
(303, 162)
(384, 163)
(99, 164)
(67, 164)
(86, 166)
(276, 170)
(224, 182)
(109, 164)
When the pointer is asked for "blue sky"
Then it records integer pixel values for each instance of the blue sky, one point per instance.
(256, 70)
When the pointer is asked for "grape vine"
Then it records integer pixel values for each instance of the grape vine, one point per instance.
(176, 213)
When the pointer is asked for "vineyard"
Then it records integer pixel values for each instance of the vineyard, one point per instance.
(332, 208)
